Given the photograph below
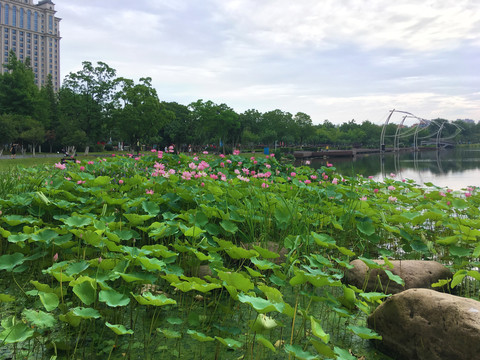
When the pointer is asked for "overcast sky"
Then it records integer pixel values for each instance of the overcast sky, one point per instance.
(332, 59)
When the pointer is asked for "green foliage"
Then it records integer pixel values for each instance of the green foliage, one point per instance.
(145, 248)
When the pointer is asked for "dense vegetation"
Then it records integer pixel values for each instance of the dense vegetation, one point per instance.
(177, 256)
(95, 108)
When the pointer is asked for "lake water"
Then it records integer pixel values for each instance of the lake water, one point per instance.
(455, 168)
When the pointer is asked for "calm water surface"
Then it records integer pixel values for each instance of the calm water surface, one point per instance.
(455, 169)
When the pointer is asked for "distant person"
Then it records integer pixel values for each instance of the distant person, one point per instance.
(13, 151)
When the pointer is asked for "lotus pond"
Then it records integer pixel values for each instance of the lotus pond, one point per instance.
(207, 256)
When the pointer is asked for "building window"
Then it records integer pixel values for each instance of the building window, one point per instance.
(29, 21)
(21, 17)
(50, 22)
(6, 14)
(14, 16)
(35, 21)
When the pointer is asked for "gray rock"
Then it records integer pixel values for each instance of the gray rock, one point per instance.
(415, 274)
(421, 324)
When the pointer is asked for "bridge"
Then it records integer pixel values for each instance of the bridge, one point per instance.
(441, 143)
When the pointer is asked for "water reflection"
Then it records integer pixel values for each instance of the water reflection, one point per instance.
(456, 169)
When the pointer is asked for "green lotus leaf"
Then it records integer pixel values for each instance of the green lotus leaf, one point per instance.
(18, 238)
(78, 221)
(199, 336)
(15, 333)
(261, 305)
(49, 300)
(318, 331)
(299, 353)
(6, 298)
(237, 280)
(39, 318)
(170, 334)
(119, 329)
(363, 332)
(136, 220)
(267, 254)
(151, 208)
(86, 292)
(8, 262)
(194, 231)
(231, 343)
(45, 236)
(394, 278)
(229, 226)
(154, 300)
(86, 313)
(77, 268)
(343, 354)
(113, 298)
(262, 340)
(102, 180)
(126, 234)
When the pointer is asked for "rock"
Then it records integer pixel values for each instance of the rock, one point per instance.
(415, 274)
(422, 324)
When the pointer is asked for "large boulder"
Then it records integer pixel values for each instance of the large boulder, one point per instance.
(415, 274)
(422, 324)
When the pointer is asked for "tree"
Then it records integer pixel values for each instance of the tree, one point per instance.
(86, 98)
(18, 92)
(9, 132)
(303, 126)
(138, 113)
(178, 129)
(215, 123)
(32, 132)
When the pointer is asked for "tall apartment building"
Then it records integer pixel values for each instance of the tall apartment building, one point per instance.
(32, 31)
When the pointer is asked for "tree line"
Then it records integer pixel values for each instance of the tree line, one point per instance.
(96, 108)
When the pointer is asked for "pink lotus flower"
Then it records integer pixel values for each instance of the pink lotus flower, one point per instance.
(202, 184)
(375, 191)
(120, 181)
(236, 152)
(82, 168)
(292, 174)
(222, 155)
(307, 162)
(90, 162)
(80, 182)
(205, 153)
(113, 155)
(335, 181)
(392, 175)
(392, 199)
(60, 166)
(272, 155)
(149, 191)
(329, 165)
(363, 198)
(55, 257)
(268, 166)
(468, 194)
(325, 177)
(391, 187)
(265, 185)
(442, 193)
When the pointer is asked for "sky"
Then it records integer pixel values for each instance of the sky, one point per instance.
(331, 59)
